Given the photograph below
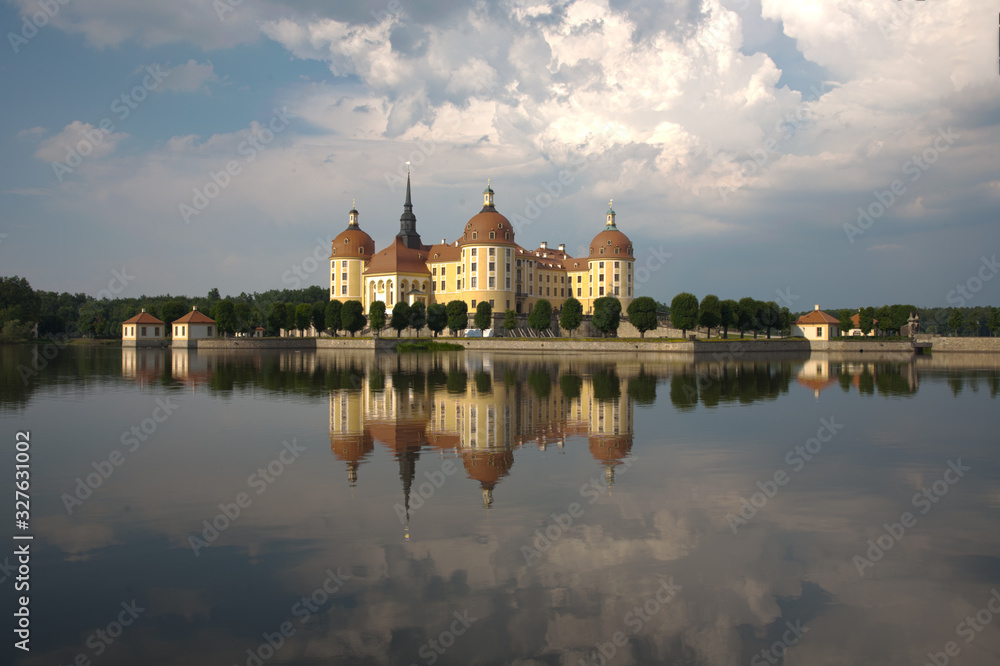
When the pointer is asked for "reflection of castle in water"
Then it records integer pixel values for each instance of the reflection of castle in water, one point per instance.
(886, 376)
(481, 414)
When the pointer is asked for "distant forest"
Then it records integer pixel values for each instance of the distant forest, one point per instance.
(80, 315)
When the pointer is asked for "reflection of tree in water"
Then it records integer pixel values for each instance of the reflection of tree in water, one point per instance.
(540, 382)
(457, 380)
(642, 389)
(955, 383)
(744, 383)
(606, 384)
(484, 382)
(571, 384)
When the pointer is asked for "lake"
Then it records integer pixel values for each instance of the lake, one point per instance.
(326, 507)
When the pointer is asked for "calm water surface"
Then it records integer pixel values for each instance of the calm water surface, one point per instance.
(348, 508)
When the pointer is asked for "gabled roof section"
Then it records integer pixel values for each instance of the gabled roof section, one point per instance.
(397, 258)
(144, 318)
(194, 317)
(816, 317)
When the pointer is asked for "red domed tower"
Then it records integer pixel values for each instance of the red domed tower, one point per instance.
(611, 263)
(350, 251)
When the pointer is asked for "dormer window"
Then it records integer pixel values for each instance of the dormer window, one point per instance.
(493, 235)
(475, 234)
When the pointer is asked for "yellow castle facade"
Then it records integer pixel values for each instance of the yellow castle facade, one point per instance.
(485, 263)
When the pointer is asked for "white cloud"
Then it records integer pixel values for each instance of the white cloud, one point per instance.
(31, 131)
(87, 141)
(192, 76)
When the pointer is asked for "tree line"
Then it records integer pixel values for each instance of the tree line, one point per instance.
(744, 315)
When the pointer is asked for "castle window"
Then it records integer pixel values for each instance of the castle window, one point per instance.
(493, 251)
(600, 265)
(361, 250)
(492, 282)
(347, 241)
(493, 235)
(579, 279)
(507, 235)
(602, 250)
(616, 264)
(334, 251)
(616, 290)
(579, 292)
(601, 291)
(473, 283)
(474, 251)
(617, 250)
(473, 267)
(493, 266)
(343, 276)
(473, 305)
(475, 234)
(343, 289)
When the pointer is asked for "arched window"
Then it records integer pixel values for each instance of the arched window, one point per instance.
(334, 251)
(361, 250)
(474, 235)
(493, 235)
(617, 250)
(602, 250)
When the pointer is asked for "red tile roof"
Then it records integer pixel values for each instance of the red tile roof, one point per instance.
(144, 318)
(194, 317)
(816, 317)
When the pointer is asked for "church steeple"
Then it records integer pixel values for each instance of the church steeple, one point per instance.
(611, 217)
(352, 216)
(408, 222)
(488, 197)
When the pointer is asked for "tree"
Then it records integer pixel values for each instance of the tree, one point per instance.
(400, 317)
(352, 316)
(607, 314)
(276, 318)
(213, 295)
(846, 324)
(995, 320)
(972, 322)
(540, 318)
(727, 315)
(746, 315)
(571, 316)
(332, 317)
(866, 320)
(418, 317)
(769, 315)
(243, 314)
(290, 323)
(642, 314)
(785, 321)
(172, 311)
(710, 312)
(376, 317)
(319, 316)
(18, 301)
(437, 318)
(303, 316)
(684, 312)
(224, 316)
(484, 316)
(458, 316)
(509, 320)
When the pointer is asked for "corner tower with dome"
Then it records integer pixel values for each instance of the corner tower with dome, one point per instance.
(484, 263)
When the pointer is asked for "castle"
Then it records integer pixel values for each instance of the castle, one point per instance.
(484, 264)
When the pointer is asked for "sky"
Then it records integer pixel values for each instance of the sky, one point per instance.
(834, 153)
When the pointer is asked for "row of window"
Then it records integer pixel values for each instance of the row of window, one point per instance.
(130, 331)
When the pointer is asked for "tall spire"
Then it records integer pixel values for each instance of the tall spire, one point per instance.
(488, 196)
(352, 215)
(408, 221)
(611, 216)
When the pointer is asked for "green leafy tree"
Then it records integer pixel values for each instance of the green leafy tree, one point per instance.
(18, 301)
(376, 317)
(290, 321)
(319, 316)
(727, 315)
(224, 315)
(213, 295)
(400, 317)
(244, 316)
(276, 318)
(303, 316)
(785, 321)
(995, 320)
(769, 315)
(540, 318)
(172, 311)
(12, 331)
(352, 316)
(571, 316)
(972, 322)
(437, 318)
(331, 317)
(607, 314)
(458, 316)
(866, 320)
(746, 315)
(844, 317)
(509, 320)
(684, 312)
(642, 314)
(418, 317)
(710, 312)
(484, 316)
